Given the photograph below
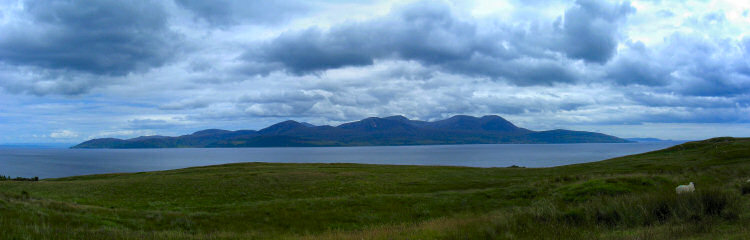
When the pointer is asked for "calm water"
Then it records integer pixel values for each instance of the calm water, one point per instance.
(50, 163)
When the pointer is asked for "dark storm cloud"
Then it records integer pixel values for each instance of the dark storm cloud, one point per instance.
(430, 33)
(590, 27)
(228, 12)
(311, 50)
(522, 72)
(426, 32)
(98, 37)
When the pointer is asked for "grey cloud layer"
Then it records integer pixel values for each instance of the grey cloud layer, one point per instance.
(185, 64)
(99, 37)
(589, 29)
(432, 34)
(689, 65)
(71, 47)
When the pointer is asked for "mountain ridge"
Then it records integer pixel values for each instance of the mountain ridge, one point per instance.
(372, 131)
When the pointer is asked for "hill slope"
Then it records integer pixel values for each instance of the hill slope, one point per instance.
(394, 130)
(630, 197)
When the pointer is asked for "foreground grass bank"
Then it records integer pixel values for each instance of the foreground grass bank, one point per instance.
(624, 198)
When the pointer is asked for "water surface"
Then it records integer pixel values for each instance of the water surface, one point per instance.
(51, 163)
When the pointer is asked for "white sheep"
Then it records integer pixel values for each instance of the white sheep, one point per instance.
(685, 188)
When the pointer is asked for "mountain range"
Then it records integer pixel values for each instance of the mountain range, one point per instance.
(374, 131)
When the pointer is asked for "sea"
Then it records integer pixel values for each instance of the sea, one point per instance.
(60, 162)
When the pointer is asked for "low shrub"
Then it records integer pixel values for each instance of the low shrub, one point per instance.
(8, 178)
(745, 188)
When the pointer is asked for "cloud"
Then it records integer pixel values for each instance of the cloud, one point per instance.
(63, 134)
(146, 123)
(100, 37)
(121, 134)
(589, 29)
(228, 12)
(675, 100)
(636, 65)
(359, 92)
(40, 81)
(424, 31)
(186, 104)
(280, 104)
(690, 64)
(311, 50)
(711, 69)
(431, 33)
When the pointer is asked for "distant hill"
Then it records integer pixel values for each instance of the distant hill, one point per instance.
(394, 130)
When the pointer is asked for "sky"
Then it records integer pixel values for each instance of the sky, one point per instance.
(76, 70)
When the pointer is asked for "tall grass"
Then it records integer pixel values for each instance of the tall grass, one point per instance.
(651, 215)
(699, 211)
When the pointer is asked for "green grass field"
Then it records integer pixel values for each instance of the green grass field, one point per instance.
(630, 197)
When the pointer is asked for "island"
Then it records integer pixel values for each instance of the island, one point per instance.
(373, 131)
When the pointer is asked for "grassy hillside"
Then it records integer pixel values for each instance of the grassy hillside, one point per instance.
(624, 198)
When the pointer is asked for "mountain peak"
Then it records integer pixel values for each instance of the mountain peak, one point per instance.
(377, 124)
(458, 122)
(307, 124)
(282, 127)
(289, 122)
(492, 117)
(486, 123)
(497, 123)
(400, 118)
(461, 117)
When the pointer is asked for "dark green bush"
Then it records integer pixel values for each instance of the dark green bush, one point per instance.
(745, 188)
(573, 216)
(8, 178)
